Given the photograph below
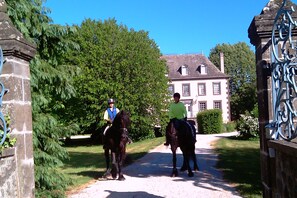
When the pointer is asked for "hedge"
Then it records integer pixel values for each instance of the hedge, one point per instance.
(210, 121)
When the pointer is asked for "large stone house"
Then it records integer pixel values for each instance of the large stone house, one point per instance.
(200, 83)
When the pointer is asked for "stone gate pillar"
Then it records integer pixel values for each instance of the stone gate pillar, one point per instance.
(260, 32)
(17, 102)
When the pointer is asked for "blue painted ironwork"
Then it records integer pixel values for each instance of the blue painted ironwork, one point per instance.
(3, 126)
(284, 76)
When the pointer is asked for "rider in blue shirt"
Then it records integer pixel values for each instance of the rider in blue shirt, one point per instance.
(110, 113)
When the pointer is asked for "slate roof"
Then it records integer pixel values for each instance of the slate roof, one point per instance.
(193, 61)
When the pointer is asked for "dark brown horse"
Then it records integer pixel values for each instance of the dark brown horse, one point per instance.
(182, 138)
(115, 140)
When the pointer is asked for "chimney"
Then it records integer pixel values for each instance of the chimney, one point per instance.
(222, 62)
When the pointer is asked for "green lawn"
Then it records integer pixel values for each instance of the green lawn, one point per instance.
(240, 162)
(87, 161)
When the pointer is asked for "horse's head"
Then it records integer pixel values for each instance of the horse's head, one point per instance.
(122, 122)
(170, 129)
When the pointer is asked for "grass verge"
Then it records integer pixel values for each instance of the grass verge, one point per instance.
(240, 162)
(87, 161)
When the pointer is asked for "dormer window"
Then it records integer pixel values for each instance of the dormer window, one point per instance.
(184, 70)
(202, 69)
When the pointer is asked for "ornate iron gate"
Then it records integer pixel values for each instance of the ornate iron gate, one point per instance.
(3, 127)
(283, 76)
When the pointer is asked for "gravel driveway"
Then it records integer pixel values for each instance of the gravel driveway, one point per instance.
(149, 177)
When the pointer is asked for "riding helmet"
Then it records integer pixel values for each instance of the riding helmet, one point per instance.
(110, 101)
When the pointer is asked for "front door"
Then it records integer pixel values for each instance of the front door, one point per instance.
(188, 104)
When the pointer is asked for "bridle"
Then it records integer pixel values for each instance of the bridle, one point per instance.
(124, 130)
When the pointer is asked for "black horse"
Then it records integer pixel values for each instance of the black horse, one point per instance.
(182, 138)
(115, 140)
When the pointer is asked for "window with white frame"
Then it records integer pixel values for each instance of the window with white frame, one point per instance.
(203, 69)
(202, 105)
(216, 88)
(186, 89)
(201, 89)
(171, 89)
(184, 70)
(217, 104)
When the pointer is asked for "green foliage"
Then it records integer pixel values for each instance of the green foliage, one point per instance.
(120, 63)
(51, 87)
(255, 111)
(210, 121)
(9, 141)
(229, 127)
(248, 126)
(239, 64)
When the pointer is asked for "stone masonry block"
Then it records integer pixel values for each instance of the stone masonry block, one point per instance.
(27, 90)
(28, 176)
(16, 66)
(20, 116)
(8, 182)
(14, 85)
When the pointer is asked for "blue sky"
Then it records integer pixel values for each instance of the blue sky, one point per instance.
(177, 26)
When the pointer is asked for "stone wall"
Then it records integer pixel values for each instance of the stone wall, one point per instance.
(17, 104)
(285, 154)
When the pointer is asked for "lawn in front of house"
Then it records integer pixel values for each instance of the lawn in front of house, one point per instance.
(240, 162)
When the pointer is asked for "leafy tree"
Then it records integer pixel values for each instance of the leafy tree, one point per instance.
(51, 86)
(240, 66)
(121, 63)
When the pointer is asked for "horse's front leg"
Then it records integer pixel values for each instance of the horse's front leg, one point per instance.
(174, 170)
(107, 160)
(187, 164)
(114, 169)
(120, 163)
(196, 168)
(184, 167)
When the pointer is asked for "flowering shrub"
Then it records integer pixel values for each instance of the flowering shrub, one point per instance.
(248, 126)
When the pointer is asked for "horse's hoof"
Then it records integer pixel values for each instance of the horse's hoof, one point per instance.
(107, 176)
(190, 174)
(174, 174)
(122, 178)
(114, 176)
(114, 171)
(196, 169)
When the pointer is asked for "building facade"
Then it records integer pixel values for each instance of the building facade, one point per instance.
(200, 83)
